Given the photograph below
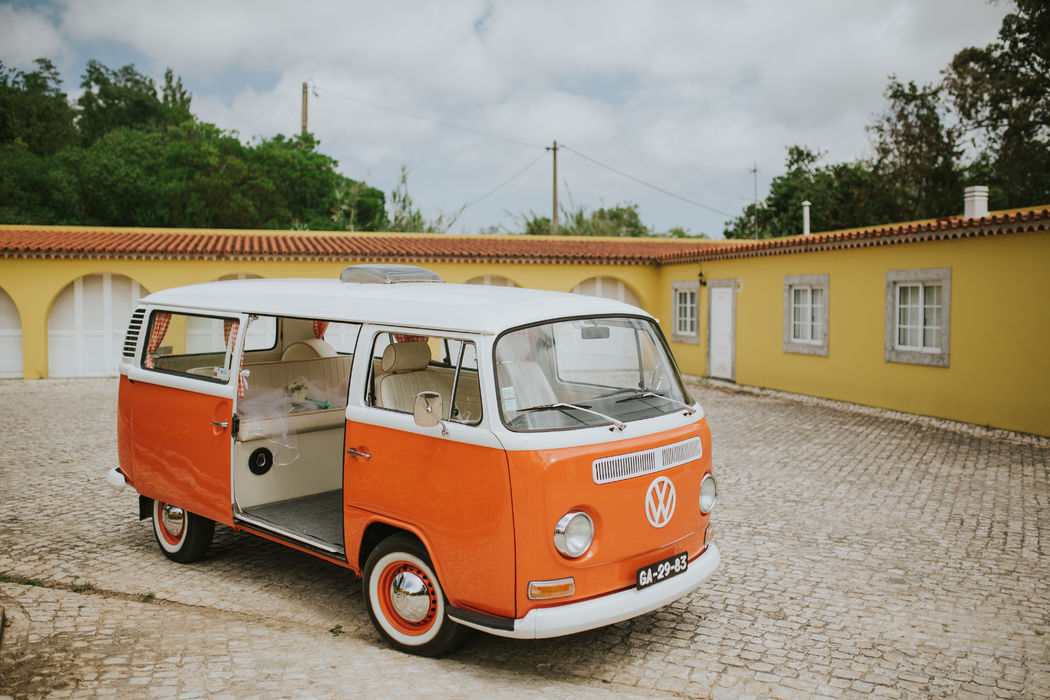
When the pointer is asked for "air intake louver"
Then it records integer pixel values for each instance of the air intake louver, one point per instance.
(131, 340)
(657, 459)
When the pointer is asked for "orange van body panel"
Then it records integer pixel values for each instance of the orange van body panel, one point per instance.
(547, 484)
(125, 430)
(456, 497)
(177, 455)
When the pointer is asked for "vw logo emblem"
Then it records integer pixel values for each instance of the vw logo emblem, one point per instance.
(659, 501)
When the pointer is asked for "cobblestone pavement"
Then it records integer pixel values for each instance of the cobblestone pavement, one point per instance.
(864, 552)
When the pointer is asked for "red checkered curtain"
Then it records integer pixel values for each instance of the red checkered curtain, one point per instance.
(229, 332)
(406, 338)
(319, 329)
(156, 336)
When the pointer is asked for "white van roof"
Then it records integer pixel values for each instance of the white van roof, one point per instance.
(439, 306)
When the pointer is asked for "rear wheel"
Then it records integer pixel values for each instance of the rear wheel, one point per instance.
(183, 536)
(405, 600)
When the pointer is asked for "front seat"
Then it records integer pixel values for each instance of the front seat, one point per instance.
(405, 374)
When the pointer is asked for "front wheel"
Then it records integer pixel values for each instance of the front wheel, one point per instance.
(405, 600)
(183, 536)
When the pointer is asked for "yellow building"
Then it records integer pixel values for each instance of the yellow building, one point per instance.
(945, 318)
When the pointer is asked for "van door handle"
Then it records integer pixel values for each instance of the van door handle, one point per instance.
(356, 453)
(220, 424)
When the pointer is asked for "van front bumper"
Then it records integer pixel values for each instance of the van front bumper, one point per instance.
(590, 614)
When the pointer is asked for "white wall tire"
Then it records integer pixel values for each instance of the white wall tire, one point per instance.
(405, 600)
(183, 536)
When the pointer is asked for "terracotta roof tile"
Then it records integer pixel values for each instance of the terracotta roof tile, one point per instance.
(64, 242)
(996, 223)
(51, 241)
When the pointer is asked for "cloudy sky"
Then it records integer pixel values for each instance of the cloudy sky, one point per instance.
(683, 96)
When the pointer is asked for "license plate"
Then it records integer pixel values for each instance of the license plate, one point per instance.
(662, 570)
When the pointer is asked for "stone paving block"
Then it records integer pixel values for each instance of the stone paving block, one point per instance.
(864, 552)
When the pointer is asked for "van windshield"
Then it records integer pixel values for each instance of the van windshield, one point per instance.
(585, 372)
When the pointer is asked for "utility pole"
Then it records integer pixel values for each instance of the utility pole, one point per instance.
(754, 171)
(554, 213)
(304, 109)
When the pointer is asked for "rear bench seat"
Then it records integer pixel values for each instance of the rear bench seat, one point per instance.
(274, 376)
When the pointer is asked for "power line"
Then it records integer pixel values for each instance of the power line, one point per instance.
(649, 185)
(511, 179)
(426, 119)
(518, 143)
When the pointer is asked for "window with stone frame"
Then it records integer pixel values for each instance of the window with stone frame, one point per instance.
(685, 312)
(918, 316)
(805, 317)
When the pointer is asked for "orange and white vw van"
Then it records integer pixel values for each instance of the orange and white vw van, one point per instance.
(521, 462)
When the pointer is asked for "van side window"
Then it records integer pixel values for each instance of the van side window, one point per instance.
(342, 336)
(262, 333)
(404, 365)
(198, 346)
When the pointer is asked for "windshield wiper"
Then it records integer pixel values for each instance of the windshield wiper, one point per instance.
(650, 394)
(549, 406)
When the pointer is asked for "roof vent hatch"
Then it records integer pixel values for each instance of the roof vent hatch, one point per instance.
(387, 274)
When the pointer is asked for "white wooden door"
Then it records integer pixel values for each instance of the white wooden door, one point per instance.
(86, 325)
(10, 338)
(721, 345)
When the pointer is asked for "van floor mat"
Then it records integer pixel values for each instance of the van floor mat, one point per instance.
(319, 515)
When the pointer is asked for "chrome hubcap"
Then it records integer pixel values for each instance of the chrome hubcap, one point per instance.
(173, 519)
(409, 596)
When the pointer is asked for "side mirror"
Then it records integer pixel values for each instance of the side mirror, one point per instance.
(427, 410)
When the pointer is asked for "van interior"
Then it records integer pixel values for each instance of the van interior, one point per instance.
(289, 451)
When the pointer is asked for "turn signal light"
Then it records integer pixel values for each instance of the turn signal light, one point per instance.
(544, 590)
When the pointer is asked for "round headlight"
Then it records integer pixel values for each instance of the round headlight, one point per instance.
(708, 493)
(573, 534)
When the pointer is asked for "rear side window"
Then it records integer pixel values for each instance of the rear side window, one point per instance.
(192, 345)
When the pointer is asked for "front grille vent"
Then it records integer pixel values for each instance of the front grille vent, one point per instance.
(131, 339)
(657, 459)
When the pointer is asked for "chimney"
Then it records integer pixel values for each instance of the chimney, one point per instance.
(975, 202)
(805, 218)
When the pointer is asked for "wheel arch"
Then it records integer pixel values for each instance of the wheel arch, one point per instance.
(380, 527)
(379, 530)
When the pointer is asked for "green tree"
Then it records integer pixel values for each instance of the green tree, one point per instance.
(145, 161)
(842, 195)
(119, 178)
(537, 225)
(916, 152)
(355, 207)
(205, 179)
(33, 109)
(127, 98)
(682, 232)
(37, 189)
(1002, 95)
(621, 220)
(987, 122)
